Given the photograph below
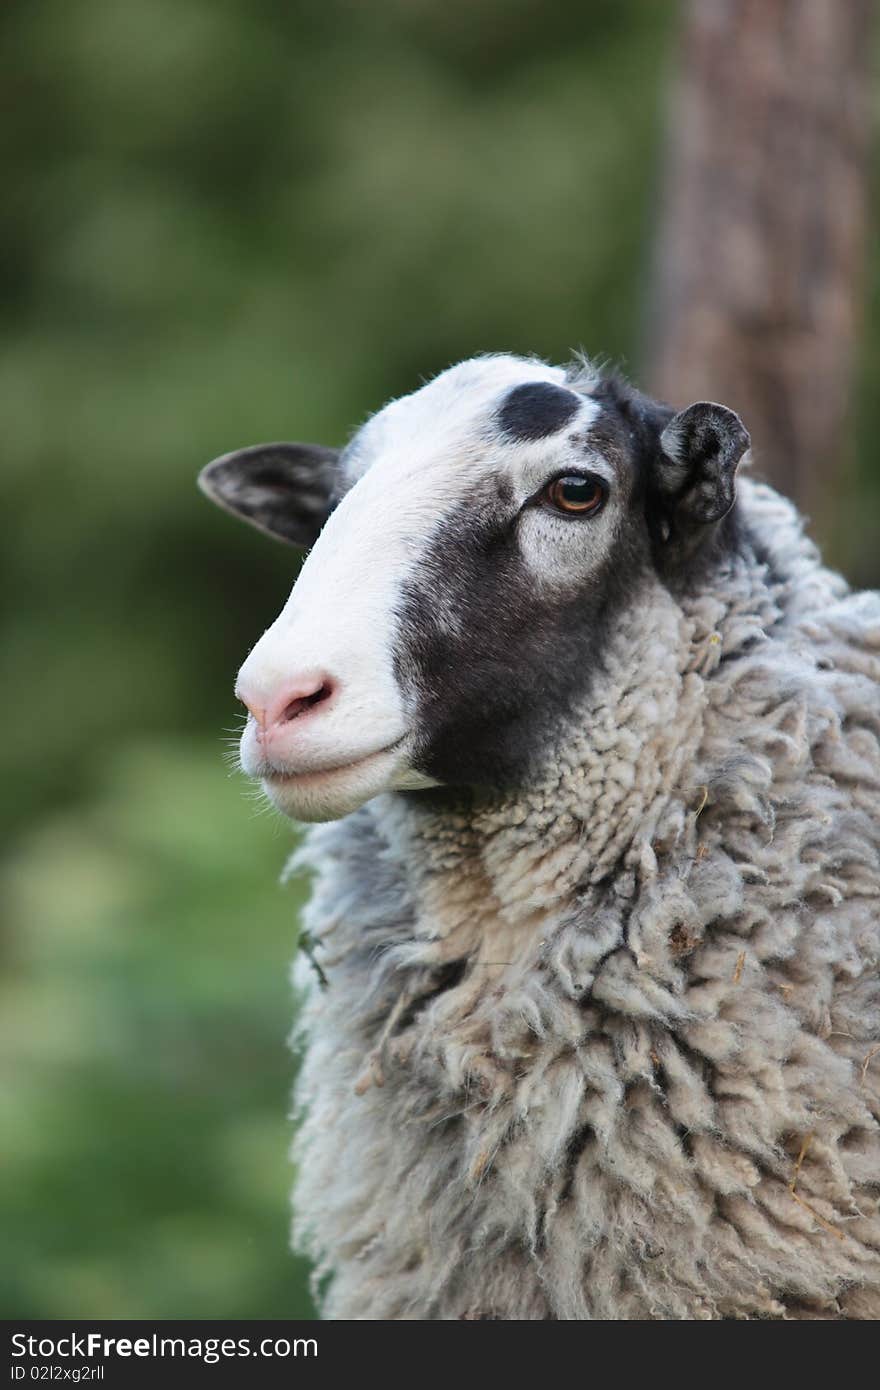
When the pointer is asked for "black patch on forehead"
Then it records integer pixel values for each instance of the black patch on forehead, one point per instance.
(537, 409)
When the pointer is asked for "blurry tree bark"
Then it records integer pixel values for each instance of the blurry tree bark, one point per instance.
(758, 276)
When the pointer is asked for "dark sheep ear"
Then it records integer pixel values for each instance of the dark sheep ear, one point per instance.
(285, 490)
(701, 446)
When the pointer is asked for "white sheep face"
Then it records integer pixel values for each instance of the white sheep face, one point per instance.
(470, 548)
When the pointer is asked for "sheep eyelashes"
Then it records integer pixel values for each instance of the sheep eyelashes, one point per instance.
(595, 891)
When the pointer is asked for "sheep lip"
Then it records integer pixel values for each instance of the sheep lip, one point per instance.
(279, 777)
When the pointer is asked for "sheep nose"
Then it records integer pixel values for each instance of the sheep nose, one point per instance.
(274, 710)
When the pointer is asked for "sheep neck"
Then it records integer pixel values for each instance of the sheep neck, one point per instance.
(490, 874)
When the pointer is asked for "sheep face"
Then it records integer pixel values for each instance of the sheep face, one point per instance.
(472, 547)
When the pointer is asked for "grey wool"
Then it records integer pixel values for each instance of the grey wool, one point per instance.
(609, 1047)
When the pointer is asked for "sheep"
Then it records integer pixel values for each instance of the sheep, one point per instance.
(590, 742)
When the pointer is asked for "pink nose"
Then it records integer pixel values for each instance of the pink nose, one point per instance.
(280, 707)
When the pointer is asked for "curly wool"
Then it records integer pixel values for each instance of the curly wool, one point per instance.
(611, 1048)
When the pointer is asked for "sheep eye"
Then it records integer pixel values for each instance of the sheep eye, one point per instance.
(575, 494)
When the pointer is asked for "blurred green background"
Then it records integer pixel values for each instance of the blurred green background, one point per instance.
(229, 221)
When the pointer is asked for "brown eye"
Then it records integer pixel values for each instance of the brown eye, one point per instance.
(575, 494)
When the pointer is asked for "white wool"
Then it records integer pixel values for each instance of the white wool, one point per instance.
(611, 1048)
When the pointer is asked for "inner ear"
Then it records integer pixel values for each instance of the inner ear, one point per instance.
(285, 490)
(696, 471)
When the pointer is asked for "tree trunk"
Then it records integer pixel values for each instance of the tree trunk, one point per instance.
(759, 266)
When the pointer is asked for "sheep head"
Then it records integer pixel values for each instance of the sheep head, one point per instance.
(470, 551)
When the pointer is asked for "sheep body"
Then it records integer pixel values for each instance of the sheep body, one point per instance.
(608, 1048)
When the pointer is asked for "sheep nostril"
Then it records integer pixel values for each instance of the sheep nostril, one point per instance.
(301, 703)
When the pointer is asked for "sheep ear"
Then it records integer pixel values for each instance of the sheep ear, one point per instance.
(701, 447)
(285, 490)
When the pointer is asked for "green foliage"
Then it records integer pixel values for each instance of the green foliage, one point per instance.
(143, 1013)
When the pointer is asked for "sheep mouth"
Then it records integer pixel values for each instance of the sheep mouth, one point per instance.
(286, 777)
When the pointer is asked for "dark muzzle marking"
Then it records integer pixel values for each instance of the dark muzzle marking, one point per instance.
(536, 410)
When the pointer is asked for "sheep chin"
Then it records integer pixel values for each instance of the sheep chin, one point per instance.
(330, 795)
